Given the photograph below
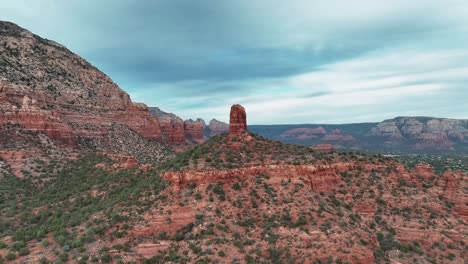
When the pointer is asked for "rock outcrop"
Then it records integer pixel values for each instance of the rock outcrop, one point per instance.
(46, 88)
(237, 120)
(216, 127)
(194, 130)
(322, 177)
(176, 131)
(172, 126)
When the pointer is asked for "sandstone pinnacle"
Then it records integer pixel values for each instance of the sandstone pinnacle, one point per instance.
(237, 120)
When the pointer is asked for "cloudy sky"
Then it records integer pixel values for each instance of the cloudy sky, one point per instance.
(296, 61)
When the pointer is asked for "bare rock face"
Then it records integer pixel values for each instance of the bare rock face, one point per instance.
(423, 172)
(216, 127)
(46, 88)
(238, 120)
(194, 130)
(176, 131)
(172, 126)
(438, 133)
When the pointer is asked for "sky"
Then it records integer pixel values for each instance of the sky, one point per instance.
(286, 62)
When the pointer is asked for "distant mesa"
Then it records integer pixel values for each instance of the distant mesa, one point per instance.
(324, 147)
(237, 120)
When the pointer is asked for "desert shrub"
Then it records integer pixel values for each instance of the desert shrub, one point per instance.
(63, 257)
(302, 220)
(10, 256)
(23, 252)
(106, 258)
(325, 226)
(45, 243)
(237, 187)
(219, 191)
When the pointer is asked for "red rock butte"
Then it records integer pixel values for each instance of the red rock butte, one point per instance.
(237, 120)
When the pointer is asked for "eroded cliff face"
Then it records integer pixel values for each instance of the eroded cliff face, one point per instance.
(46, 88)
(194, 130)
(177, 131)
(321, 178)
(172, 126)
(424, 133)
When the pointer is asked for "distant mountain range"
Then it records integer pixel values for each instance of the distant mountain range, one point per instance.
(401, 134)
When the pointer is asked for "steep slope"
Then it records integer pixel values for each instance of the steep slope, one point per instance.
(47, 89)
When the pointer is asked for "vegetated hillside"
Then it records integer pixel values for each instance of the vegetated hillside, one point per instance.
(245, 150)
(241, 199)
(400, 135)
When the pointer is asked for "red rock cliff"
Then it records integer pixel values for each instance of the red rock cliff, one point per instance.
(172, 126)
(44, 87)
(194, 130)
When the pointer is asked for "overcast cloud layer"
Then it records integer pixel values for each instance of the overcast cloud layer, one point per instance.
(285, 61)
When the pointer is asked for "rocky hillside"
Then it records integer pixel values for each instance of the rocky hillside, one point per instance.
(401, 134)
(238, 198)
(47, 89)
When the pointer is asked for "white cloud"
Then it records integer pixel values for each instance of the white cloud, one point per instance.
(360, 60)
(369, 88)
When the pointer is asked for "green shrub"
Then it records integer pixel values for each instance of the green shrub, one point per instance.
(219, 190)
(63, 257)
(237, 187)
(302, 220)
(451, 257)
(10, 256)
(19, 245)
(45, 243)
(106, 258)
(23, 252)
